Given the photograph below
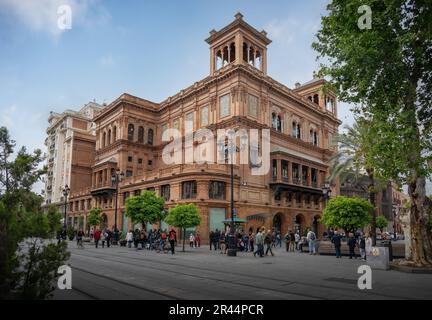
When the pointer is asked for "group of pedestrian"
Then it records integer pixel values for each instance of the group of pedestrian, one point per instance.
(161, 241)
(361, 241)
(195, 240)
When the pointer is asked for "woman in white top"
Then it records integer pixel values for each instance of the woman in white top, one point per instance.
(191, 240)
(368, 244)
(129, 238)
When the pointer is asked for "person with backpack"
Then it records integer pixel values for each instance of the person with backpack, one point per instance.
(108, 237)
(172, 237)
(311, 238)
(268, 240)
(163, 238)
(245, 239)
(103, 238)
(337, 242)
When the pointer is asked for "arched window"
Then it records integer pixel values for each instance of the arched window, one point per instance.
(131, 129)
(294, 129)
(274, 121)
(141, 134)
(150, 137)
(115, 134)
(298, 131)
(316, 99)
(109, 137)
(104, 140)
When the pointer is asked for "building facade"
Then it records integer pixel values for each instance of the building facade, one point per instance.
(71, 148)
(238, 94)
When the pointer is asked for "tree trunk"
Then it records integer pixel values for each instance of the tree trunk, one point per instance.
(184, 238)
(372, 199)
(421, 244)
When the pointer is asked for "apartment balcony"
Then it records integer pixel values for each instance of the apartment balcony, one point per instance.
(103, 188)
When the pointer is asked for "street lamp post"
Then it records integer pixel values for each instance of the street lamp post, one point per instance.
(116, 178)
(66, 191)
(326, 195)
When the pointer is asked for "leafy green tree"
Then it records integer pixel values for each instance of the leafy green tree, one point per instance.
(54, 217)
(381, 223)
(353, 157)
(94, 217)
(348, 214)
(386, 71)
(184, 216)
(28, 262)
(147, 207)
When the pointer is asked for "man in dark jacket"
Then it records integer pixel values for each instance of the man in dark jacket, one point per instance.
(352, 243)
(337, 241)
(211, 239)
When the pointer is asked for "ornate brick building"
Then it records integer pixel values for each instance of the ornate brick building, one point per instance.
(238, 94)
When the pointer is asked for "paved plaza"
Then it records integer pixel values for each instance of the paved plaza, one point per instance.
(123, 273)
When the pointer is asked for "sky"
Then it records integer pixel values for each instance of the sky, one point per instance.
(150, 49)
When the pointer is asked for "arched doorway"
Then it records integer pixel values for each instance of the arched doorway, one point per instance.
(277, 222)
(299, 224)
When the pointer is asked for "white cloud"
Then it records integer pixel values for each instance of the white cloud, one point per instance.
(107, 61)
(43, 16)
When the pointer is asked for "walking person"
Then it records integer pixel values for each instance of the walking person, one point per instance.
(197, 240)
(288, 240)
(311, 238)
(251, 241)
(292, 242)
(222, 243)
(268, 240)
(217, 235)
(352, 243)
(192, 240)
(79, 239)
(259, 240)
(97, 235)
(162, 241)
(278, 240)
(362, 247)
(103, 238)
(337, 242)
(108, 237)
(129, 238)
(245, 240)
(211, 239)
(368, 247)
(297, 241)
(172, 240)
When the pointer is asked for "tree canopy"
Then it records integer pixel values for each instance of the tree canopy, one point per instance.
(94, 217)
(184, 216)
(147, 207)
(348, 214)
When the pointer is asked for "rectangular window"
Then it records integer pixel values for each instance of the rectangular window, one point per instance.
(129, 173)
(274, 168)
(164, 128)
(125, 197)
(129, 159)
(137, 193)
(189, 126)
(150, 162)
(165, 192)
(217, 190)
(284, 169)
(225, 106)
(253, 106)
(176, 124)
(189, 190)
(140, 161)
(204, 116)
